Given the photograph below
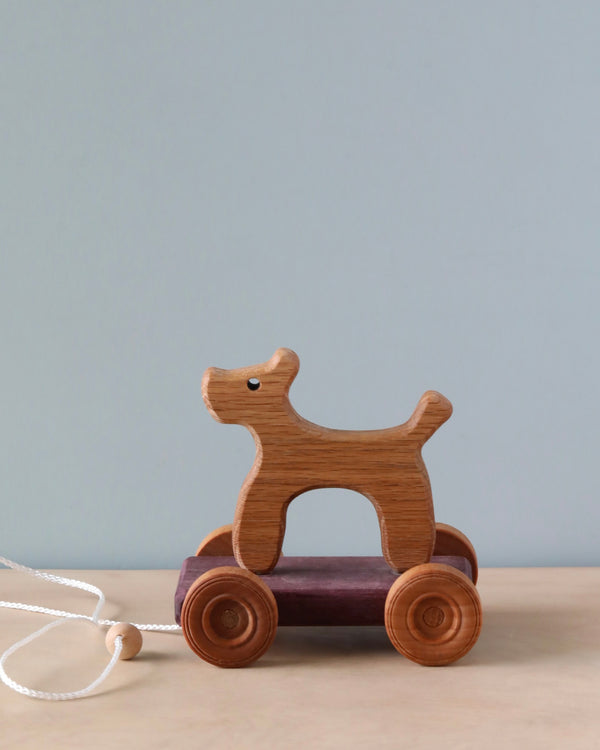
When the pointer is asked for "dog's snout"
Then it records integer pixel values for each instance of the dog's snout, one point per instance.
(211, 373)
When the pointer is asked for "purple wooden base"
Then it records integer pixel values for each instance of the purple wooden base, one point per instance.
(319, 590)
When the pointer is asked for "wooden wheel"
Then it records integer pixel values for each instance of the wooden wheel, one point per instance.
(219, 543)
(433, 614)
(451, 541)
(229, 617)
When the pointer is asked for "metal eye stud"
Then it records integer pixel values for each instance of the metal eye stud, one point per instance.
(253, 384)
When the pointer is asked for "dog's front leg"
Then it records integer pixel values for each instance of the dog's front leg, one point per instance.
(259, 525)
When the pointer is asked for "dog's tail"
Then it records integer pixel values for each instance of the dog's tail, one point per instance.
(432, 411)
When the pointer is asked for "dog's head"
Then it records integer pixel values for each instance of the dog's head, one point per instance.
(248, 395)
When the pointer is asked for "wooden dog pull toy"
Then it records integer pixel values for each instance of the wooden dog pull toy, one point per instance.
(294, 455)
(422, 589)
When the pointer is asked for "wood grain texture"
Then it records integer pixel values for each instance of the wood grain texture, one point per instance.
(229, 617)
(294, 455)
(433, 614)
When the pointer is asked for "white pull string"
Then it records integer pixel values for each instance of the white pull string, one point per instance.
(42, 694)
(73, 583)
(53, 579)
(65, 617)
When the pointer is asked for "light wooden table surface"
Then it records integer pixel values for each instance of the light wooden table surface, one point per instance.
(532, 680)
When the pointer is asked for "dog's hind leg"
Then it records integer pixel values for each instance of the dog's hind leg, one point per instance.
(407, 526)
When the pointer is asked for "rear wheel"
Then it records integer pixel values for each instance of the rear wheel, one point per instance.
(451, 541)
(229, 617)
(433, 614)
(219, 543)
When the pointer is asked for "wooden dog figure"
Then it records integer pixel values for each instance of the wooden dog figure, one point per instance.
(294, 455)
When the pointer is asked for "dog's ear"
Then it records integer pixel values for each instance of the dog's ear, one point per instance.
(286, 362)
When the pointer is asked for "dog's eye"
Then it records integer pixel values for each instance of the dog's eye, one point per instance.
(253, 384)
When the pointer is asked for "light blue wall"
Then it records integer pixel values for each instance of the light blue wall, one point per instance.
(407, 194)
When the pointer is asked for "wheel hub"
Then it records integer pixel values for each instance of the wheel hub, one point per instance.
(433, 617)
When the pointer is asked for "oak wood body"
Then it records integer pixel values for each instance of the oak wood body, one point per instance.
(294, 455)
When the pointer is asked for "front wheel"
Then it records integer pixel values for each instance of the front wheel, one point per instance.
(433, 614)
(229, 617)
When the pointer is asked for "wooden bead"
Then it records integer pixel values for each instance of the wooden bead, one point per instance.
(131, 636)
